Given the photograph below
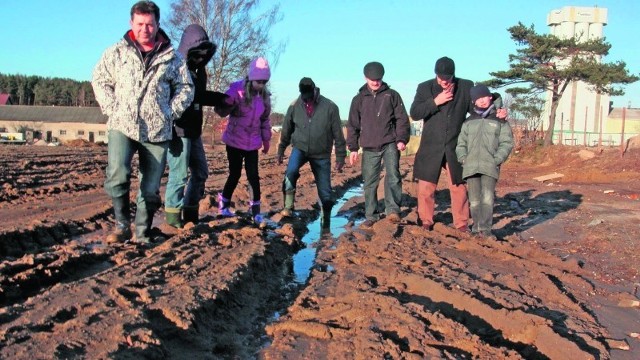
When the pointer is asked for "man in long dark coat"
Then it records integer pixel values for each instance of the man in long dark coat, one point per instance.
(442, 103)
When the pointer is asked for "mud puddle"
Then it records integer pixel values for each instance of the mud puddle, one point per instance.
(304, 260)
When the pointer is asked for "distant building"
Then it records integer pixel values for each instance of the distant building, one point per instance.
(55, 123)
(584, 117)
(5, 99)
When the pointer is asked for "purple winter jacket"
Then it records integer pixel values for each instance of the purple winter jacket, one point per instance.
(248, 127)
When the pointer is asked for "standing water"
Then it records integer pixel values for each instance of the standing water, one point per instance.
(304, 259)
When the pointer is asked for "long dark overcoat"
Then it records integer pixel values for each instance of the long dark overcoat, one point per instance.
(440, 129)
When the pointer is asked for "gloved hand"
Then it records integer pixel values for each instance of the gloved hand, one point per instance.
(280, 159)
(339, 166)
(265, 147)
(219, 99)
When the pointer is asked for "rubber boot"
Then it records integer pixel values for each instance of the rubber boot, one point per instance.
(190, 214)
(325, 219)
(224, 207)
(172, 217)
(256, 215)
(143, 222)
(289, 200)
(122, 211)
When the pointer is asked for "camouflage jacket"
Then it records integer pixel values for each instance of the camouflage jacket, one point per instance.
(142, 98)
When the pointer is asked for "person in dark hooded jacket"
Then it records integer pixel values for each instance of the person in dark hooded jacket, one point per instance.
(186, 152)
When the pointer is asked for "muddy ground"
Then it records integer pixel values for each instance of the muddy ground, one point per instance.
(559, 283)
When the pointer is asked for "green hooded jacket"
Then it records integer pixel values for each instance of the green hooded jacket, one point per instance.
(483, 145)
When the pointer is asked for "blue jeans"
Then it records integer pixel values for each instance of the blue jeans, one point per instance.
(371, 169)
(321, 169)
(152, 158)
(481, 190)
(185, 155)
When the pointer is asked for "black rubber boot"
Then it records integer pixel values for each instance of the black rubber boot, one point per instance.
(121, 211)
(190, 214)
(144, 219)
(325, 219)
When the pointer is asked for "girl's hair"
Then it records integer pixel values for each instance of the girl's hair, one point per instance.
(249, 93)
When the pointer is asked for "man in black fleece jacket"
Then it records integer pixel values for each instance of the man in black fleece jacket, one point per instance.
(378, 123)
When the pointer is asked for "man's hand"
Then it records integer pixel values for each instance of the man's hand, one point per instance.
(353, 158)
(401, 146)
(280, 159)
(445, 96)
(501, 113)
(339, 166)
(265, 147)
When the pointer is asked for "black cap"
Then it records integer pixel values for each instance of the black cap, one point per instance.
(374, 70)
(445, 67)
(479, 91)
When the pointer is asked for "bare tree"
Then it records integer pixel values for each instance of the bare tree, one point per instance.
(236, 26)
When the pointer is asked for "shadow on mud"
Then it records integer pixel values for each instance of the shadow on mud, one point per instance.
(520, 210)
(523, 211)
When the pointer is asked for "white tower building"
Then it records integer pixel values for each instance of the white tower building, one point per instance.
(581, 112)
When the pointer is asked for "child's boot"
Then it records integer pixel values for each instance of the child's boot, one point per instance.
(224, 207)
(255, 214)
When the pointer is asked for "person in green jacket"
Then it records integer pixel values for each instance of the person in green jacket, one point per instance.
(312, 126)
(484, 143)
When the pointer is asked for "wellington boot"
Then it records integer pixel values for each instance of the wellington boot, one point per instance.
(121, 234)
(286, 212)
(289, 200)
(172, 217)
(190, 214)
(325, 219)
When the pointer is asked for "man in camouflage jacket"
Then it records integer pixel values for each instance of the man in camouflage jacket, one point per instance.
(142, 84)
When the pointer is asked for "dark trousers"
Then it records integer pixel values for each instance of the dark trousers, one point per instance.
(236, 157)
(482, 190)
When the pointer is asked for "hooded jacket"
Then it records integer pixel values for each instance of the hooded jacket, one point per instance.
(142, 97)
(377, 119)
(484, 144)
(314, 135)
(248, 126)
(194, 39)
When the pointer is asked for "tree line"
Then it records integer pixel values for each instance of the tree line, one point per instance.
(38, 90)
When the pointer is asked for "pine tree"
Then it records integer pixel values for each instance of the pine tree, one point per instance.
(549, 63)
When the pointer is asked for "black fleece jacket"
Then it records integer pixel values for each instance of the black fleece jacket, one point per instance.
(377, 119)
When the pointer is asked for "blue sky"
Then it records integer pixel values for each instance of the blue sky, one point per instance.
(329, 41)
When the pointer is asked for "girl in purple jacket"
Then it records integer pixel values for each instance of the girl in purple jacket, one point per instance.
(248, 130)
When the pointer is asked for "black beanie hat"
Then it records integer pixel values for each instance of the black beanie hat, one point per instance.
(374, 70)
(445, 67)
(479, 91)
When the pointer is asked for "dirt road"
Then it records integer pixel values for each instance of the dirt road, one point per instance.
(549, 288)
